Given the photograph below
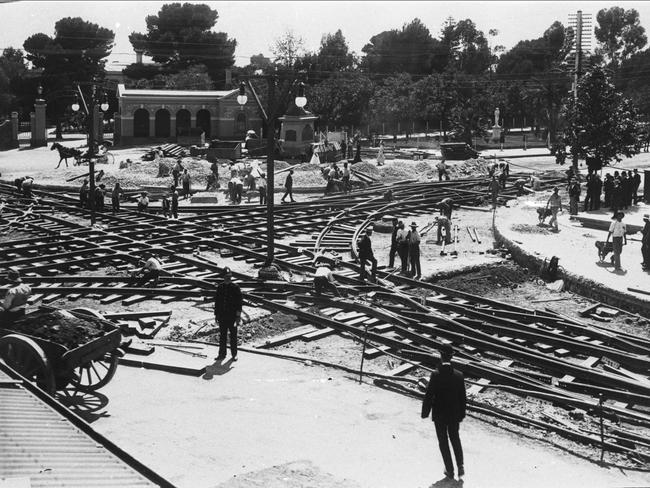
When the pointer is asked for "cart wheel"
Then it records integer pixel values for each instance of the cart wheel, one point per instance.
(28, 359)
(95, 374)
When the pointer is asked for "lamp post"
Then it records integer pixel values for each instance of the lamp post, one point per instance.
(90, 124)
(269, 270)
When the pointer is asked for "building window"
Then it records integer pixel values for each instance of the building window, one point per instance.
(183, 122)
(163, 123)
(141, 123)
(307, 133)
(290, 135)
(203, 121)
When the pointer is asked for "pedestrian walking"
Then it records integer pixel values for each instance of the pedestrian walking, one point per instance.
(414, 251)
(14, 303)
(116, 194)
(261, 187)
(84, 191)
(366, 255)
(380, 154)
(323, 278)
(228, 303)
(442, 170)
(555, 205)
(288, 186)
(177, 170)
(574, 195)
(174, 203)
(143, 202)
(186, 180)
(617, 230)
(393, 244)
(645, 243)
(446, 400)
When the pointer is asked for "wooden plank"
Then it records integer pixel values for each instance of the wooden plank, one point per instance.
(319, 334)
(587, 363)
(293, 334)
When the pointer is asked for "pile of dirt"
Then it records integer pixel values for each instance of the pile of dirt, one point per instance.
(529, 229)
(485, 279)
(471, 167)
(62, 327)
(307, 167)
(367, 168)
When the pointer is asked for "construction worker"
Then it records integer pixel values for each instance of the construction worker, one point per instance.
(174, 205)
(366, 254)
(150, 270)
(444, 223)
(574, 195)
(115, 197)
(414, 239)
(143, 202)
(83, 194)
(442, 170)
(494, 188)
(446, 205)
(186, 180)
(26, 186)
(228, 303)
(323, 278)
(402, 246)
(261, 186)
(555, 204)
(15, 301)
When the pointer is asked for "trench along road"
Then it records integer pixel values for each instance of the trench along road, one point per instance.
(531, 353)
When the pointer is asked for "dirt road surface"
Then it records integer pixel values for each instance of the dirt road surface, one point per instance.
(270, 422)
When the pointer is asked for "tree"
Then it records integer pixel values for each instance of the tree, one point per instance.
(601, 122)
(193, 78)
(434, 97)
(76, 53)
(288, 48)
(392, 101)
(619, 33)
(342, 101)
(12, 80)
(410, 50)
(180, 36)
(466, 46)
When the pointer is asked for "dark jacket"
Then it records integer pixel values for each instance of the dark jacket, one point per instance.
(228, 302)
(365, 247)
(646, 234)
(445, 397)
(288, 183)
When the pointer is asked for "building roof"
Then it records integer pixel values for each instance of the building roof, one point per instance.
(122, 91)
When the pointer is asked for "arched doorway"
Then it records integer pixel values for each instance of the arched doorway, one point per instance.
(162, 123)
(240, 124)
(307, 134)
(141, 123)
(203, 121)
(183, 122)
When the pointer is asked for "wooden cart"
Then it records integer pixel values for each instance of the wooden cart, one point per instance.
(53, 366)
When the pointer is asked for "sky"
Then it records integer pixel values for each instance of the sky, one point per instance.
(257, 24)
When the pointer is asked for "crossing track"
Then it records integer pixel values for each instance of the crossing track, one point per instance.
(530, 353)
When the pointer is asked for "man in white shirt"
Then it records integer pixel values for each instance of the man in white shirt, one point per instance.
(150, 270)
(617, 231)
(323, 278)
(14, 303)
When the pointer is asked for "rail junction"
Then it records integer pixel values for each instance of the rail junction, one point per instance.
(531, 353)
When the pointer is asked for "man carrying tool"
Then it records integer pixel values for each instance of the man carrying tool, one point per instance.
(15, 301)
(446, 399)
(228, 302)
(323, 278)
(366, 254)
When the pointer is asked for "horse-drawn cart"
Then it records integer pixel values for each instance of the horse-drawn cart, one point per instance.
(56, 348)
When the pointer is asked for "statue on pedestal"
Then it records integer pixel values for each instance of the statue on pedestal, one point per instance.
(496, 128)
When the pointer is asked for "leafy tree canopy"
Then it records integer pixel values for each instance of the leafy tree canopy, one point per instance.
(619, 33)
(601, 122)
(12, 81)
(467, 47)
(181, 36)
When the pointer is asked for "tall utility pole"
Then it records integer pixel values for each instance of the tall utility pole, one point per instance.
(581, 24)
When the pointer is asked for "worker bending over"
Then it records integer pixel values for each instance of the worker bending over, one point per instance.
(15, 301)
(323, 278)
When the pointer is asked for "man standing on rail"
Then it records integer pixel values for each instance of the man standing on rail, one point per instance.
(366, 254)
(288, 185)
(15, 301)
(446, 399)
(228, 304)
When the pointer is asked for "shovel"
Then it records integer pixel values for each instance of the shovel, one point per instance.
(470, 234)
(476, 234)
(455, 251)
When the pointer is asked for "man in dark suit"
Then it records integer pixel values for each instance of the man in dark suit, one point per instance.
(366, 255)
(227, 313)
(445, 399)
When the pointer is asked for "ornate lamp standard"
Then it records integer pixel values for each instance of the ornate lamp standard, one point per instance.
(90, 124)
(269, 270)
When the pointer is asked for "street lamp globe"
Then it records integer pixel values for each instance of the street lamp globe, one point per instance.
(301, 100)
(104, 106)
(242, 98)
(75, 106)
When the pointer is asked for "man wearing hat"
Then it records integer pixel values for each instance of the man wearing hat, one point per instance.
(15, 301)
(228, 303)
(645, 242)
(366, 254)
(555, 204)
(445, 398)
(323, 278)
(413, 239)
(617, 232)
(261, 186)
(574, 195)
(150, 270)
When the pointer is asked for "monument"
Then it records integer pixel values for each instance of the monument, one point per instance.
(496, 128)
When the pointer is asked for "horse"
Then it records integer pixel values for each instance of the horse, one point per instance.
(65, 153)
